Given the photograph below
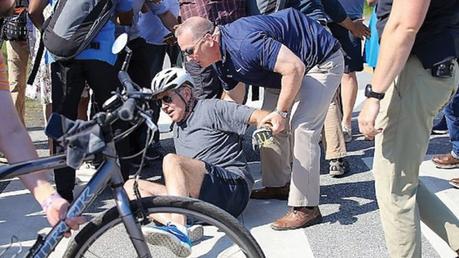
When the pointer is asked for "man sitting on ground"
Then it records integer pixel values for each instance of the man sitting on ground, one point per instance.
(209, 164)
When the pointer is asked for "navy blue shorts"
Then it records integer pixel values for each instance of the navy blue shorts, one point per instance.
(352, 47)
(224, 189)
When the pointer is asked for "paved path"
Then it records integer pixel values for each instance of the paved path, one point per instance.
(351, 226)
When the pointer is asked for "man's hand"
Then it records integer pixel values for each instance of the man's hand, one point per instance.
(359, 29)
(57, 211)
(367, 118)
(170, 39)
(278, 123)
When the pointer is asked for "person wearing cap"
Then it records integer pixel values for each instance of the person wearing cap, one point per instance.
(209, 164)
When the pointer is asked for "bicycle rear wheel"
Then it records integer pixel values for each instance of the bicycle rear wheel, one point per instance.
(224, 236)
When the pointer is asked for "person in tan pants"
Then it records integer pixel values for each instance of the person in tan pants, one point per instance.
(276, 158)
(416, 75)
(17, 50)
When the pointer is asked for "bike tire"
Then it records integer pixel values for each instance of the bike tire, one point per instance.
(167, 204)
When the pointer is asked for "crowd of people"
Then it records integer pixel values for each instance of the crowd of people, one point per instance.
(305, 54)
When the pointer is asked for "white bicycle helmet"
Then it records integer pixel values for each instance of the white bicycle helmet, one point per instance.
(170, 79)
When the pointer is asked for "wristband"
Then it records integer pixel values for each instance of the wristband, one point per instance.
(48, 201)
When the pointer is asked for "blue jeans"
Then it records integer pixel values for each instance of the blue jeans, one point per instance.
(452, 121)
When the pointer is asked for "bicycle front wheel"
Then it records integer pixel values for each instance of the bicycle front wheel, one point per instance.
(224, 236)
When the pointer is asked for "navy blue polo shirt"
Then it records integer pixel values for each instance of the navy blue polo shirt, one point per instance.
(250, 46)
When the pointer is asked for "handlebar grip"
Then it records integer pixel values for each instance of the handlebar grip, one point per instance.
(126, 112)
(125, 80)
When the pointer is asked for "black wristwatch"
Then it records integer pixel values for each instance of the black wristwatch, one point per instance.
(369, 93)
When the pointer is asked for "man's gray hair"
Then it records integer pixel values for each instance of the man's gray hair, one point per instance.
(197, 26)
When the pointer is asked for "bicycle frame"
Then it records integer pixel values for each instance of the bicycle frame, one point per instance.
(108, 173)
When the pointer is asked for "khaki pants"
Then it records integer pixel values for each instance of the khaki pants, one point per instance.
(332, 136)
(276, 159)
(406, 116)
(307, 120)
(18, 57)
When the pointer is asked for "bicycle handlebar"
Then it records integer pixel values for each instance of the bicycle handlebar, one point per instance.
(126, 111)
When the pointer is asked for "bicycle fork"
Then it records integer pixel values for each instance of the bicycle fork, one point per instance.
(129, 219)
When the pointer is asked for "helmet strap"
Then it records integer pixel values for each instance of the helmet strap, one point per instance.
(188, 104)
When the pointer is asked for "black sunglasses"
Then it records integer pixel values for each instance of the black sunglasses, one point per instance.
(166, 99)
(190, 50)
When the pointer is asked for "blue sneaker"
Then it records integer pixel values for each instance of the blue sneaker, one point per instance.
(168, 236)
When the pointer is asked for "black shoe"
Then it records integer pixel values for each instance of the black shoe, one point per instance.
(440, 127)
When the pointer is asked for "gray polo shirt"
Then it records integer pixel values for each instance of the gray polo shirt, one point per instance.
(213, 134)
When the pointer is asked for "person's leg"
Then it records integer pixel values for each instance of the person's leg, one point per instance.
(148, 189)
(406, 116)
(101, 78)
(18, 57)
(333, 138)
(451, 115)
(349, 87)
(275, 159)
(441, 127)
(145, 58)
(353, 62)
(316, 93)
(308, 115)
(67, 85)
(47, 110)
(183, 177)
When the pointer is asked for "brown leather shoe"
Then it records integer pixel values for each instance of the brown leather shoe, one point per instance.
(445, 161)
(280, 193)
(454, 182)
(298, 217)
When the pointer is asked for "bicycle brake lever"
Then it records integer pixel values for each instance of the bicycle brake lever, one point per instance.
(149, 122)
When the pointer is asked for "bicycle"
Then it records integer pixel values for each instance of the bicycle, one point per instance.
(128, 216)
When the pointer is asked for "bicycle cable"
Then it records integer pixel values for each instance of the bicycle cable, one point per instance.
(142, 212)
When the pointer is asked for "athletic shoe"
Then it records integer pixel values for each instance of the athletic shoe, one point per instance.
(337, 167)
(195, 233)
(168, 236)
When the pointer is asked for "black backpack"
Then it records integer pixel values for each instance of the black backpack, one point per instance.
(74, 24)
(71, 28)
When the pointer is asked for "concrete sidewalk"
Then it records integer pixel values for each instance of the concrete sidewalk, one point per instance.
(351, 226)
